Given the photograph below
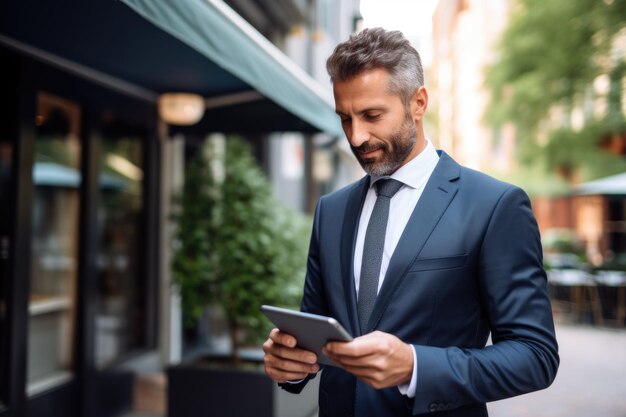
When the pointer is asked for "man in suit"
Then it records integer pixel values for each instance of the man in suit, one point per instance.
(461, 260)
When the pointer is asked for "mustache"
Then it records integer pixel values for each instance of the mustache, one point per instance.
(368, 147)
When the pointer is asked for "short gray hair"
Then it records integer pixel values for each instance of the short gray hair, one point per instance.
(378, 48)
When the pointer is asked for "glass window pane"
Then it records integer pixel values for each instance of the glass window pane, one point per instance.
(120, 322)
(54, 261)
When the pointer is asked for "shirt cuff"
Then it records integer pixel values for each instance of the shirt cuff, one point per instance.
(294, 382)
(409, 389)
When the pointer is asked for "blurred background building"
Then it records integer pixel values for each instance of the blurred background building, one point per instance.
(465, 33)
(562, 125)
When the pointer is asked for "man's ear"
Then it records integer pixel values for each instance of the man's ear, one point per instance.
(419, 103)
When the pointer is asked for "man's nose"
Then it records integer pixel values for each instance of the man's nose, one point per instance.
(358, 134)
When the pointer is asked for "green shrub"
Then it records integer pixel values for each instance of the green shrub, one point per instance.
(236, 246)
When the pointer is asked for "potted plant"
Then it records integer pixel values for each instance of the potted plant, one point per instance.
(237, 248)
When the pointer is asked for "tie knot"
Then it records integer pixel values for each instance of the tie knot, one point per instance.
(387, 187)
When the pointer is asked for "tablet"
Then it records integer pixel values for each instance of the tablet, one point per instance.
(312, 331)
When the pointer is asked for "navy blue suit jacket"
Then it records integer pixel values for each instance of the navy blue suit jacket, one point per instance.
(469, 264)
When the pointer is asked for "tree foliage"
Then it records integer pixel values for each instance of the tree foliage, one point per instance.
(548, 59)
(238, 247)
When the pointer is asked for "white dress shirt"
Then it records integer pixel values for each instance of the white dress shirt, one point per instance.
(414, 175)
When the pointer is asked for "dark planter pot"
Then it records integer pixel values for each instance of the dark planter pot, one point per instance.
(201, 390)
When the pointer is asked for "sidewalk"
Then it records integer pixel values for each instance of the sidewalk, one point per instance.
(591, 381)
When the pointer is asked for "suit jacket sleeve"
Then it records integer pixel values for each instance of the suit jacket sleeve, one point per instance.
(513, 291)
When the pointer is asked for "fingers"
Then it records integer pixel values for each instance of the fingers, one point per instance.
(378, 358)
(370, 369)
(282, 376)
(363, 355)
(283, 338)
(360, 347)
(283, 346)
(283, 361)
(353, 363)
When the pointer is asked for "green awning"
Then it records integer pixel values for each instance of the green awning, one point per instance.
(148, 47)
(217, 32)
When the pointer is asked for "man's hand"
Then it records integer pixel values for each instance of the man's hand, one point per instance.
(284, 362)
(380, 359)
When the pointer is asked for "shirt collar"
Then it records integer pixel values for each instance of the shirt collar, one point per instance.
(415, 172)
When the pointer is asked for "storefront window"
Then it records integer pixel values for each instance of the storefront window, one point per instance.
(55, 222)
(120, 321)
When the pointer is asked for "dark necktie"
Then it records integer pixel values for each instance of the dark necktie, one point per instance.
(373, 249)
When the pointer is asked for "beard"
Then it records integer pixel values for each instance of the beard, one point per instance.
(394, 151)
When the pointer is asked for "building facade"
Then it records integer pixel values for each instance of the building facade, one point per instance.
(464, 36)
(88, 165)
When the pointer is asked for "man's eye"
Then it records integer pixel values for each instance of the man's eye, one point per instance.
(373, 116)
(345, 120)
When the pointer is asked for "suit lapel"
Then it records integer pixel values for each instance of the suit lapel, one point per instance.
(438, 193)
(348, 241)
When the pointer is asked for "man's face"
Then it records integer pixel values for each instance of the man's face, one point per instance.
(381, 130)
